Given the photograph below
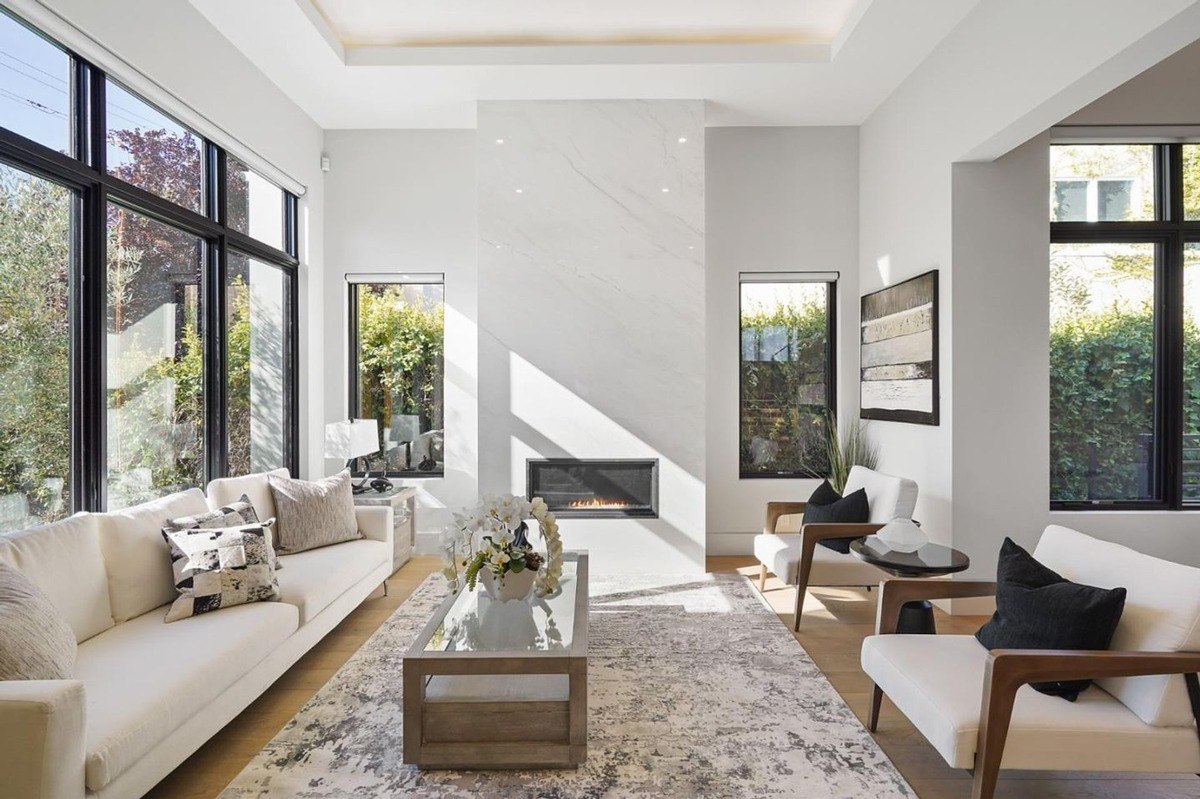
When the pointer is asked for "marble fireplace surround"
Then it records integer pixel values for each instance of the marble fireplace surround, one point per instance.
(592, 309)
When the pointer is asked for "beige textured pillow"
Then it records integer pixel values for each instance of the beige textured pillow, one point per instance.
(314, 514)
(36, 643)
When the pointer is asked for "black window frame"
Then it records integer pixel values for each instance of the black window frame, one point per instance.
(353, 283)
(84, 171)
(831, 323)
(1170, 232)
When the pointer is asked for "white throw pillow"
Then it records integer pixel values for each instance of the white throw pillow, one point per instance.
(217, 568)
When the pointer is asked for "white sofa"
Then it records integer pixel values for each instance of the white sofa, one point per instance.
(975, 707)
(147, 694)
(798, 561)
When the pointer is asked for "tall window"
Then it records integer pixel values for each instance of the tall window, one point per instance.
(147, 296)
(35, 346)
(397, 347)
(1125, 326)
(786, 375)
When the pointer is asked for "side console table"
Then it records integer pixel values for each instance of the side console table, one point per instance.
(403, 502)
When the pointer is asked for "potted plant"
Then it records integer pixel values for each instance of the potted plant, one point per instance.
(490, 544)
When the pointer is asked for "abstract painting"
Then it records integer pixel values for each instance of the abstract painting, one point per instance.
(900, 352)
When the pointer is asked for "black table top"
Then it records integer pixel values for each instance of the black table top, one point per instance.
(928, 561)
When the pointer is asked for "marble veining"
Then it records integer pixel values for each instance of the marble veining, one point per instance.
(591, 272)
(695, 689)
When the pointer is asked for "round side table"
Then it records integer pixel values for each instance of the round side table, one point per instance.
(931, 560)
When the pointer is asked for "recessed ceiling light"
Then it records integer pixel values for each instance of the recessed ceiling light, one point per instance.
(665, 190)
(499, 141)
(520, 191)
(683, 139)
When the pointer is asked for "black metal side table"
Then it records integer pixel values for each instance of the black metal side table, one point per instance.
(931, 560)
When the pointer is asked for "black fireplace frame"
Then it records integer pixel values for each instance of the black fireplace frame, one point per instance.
(599, 513)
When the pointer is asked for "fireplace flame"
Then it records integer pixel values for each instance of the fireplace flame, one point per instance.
(597, 502)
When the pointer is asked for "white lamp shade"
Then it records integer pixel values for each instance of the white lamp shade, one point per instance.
(902, 535)
(351, 439)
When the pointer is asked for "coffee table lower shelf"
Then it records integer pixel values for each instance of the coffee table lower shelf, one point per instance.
(532, 727)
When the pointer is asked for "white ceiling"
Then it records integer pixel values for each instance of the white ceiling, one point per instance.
(395, 22)
(425, 63)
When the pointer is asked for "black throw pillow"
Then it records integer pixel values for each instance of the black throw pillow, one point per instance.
(828, 506)
(1037, 608)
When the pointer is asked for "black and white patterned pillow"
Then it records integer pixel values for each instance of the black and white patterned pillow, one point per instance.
(232, 515)
(218, 567)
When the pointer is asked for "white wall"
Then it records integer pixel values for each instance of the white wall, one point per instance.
(778, 199)
(592, 329)
(1001, 236)
(404, 201)
(992, 84)
(170, 41)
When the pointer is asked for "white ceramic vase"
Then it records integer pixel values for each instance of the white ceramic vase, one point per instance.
(515, 585)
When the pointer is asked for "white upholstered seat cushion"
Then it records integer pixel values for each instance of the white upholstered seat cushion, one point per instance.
(1162, 613)
(781, 555)
(63, 560)
(889, 497)
(937, 682)
(313, 579)
(136, 556)
(144, 678)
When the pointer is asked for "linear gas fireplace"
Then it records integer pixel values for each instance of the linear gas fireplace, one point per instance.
(597, 489)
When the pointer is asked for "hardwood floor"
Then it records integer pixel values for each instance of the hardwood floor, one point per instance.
(835, 622)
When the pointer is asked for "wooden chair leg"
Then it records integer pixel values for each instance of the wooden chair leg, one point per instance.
(999, 696)
(762, 579)
(803, 570)
(876, 702)
(800, 591)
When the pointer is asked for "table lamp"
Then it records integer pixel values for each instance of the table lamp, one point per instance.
(351, 440)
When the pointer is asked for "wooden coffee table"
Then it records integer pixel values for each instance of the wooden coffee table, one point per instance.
(493, 685)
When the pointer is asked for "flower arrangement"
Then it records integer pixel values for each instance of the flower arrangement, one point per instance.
(494, 535)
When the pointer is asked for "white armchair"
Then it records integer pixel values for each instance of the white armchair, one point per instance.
(976, 707)
(797, 560)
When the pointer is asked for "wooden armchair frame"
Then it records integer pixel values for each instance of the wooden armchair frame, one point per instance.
(810, 534)
(1008, 669)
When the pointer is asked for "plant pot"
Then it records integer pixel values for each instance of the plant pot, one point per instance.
(515, 585)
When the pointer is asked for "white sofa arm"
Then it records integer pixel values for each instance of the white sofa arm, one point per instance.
(42, 739)
(375, 523)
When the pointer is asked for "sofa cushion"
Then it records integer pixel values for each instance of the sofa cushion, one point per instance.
(890, 497)
(135, 555)
(144, 678)
(1036, 608)
(64, 561)
(227, 490)
(313, 514)
(1162, 613)
(781, 554)
(312, 580)
(36, 643)
(937, 682)
(217, 568)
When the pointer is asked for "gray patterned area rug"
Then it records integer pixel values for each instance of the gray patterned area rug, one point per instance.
(695, 689)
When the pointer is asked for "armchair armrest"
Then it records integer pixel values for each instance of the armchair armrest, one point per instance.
(42, 738)
(1008, 669)
(375, 523)
(776, 510)
(893, 594)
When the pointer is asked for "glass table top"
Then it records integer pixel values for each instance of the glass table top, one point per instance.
(477, 623)
(930, 559)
